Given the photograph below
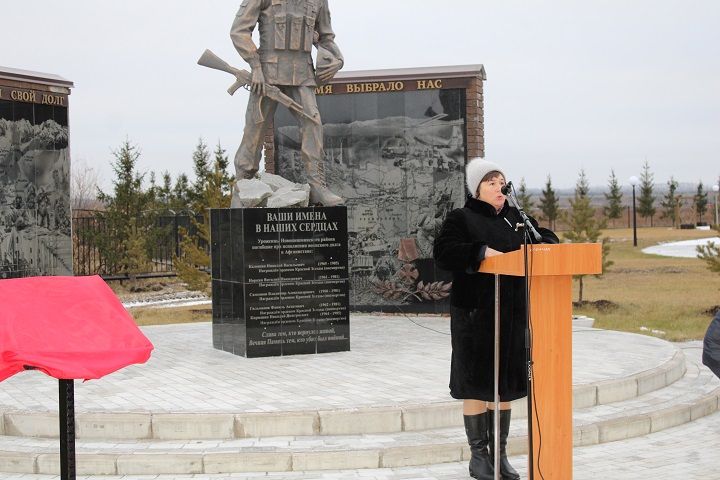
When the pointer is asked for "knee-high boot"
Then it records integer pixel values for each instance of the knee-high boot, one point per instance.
(507, 472)
(476, 429)
(319, 191)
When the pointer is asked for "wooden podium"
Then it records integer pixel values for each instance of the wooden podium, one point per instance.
(551, 270)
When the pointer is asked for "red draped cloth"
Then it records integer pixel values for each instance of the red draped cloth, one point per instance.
(68, 327)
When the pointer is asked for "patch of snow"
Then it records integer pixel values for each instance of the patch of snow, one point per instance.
(683, 249)
(169, 303)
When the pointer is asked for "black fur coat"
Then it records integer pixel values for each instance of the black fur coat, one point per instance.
(459, 248)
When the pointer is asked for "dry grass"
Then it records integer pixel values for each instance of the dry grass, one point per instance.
(165, 316)
(668, 295)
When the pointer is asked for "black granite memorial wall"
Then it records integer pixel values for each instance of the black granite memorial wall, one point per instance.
(280, 280)
(34, 176)
(398, 158)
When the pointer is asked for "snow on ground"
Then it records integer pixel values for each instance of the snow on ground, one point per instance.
(168, 303)
(685, 248)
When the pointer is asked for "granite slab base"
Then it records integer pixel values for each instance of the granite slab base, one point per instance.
(280, 280)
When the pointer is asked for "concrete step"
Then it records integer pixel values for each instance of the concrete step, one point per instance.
(693, 396)
(687, 451)
(367, 420)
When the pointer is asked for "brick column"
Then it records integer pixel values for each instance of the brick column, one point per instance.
(475, 119)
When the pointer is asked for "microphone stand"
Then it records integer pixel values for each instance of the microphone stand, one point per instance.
(528, 229)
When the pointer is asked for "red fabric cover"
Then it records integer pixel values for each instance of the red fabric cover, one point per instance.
(67, 327)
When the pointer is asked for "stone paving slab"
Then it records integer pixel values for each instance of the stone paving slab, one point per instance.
(393, 362)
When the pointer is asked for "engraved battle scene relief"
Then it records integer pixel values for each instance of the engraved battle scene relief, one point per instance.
(34, 191)
(398, 161)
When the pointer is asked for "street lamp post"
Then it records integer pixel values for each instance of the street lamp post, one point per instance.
(634, 181)
(716, 188)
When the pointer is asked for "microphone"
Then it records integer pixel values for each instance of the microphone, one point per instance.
(507, 188)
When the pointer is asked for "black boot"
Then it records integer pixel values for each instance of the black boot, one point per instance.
(476, 429)
(507, 472)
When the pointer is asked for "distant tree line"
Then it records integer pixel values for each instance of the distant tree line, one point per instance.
(584, 225)
(548, 210)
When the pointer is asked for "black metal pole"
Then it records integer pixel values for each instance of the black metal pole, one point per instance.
(628, 217)
(177, 237)
(67, 429)
(496, 384)
(634, 220)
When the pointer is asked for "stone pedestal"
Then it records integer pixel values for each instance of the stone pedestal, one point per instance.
(280, 280)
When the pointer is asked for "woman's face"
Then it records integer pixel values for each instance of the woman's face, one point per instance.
(489, 191)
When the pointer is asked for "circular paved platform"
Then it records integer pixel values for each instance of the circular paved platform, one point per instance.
(393, 361)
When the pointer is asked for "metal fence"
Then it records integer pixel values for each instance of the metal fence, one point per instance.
(166, 241)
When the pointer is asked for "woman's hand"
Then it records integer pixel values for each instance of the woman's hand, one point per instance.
(490, 252)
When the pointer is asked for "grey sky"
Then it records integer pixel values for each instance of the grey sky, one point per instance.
(571, 84)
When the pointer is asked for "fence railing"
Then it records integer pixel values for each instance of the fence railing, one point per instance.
(88, 258)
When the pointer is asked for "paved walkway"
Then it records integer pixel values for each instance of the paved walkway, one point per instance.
(394, 361)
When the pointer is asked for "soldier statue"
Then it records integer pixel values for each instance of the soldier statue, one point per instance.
(288, 29)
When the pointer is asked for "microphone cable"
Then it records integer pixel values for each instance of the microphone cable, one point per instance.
(417, 324)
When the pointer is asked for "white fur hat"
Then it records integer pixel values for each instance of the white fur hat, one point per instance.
(476, 169)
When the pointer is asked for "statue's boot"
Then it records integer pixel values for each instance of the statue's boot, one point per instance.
(319, 192)
(507, 472)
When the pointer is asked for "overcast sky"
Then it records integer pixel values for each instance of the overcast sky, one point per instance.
(590, 84)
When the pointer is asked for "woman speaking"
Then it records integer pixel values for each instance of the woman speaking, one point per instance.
(485, 227)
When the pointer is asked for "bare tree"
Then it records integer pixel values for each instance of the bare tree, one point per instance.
(84, 182)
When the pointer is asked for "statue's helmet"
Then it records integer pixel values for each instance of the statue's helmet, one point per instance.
(326, 61)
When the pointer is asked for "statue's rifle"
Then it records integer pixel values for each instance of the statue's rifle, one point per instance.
(244, 78)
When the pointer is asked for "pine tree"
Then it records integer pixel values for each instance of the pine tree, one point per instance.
(700, 200)
(710, 254)
(165, 192)
(582, 186)
(153, 192)
(193, 264)
(549, 204)
(614, 208)
(221, 163)
(646, 207)
(525, 199)
(584, 227)
(181, 194)
(137, 259)
(123, 240)
(671, 202)
(201, 166)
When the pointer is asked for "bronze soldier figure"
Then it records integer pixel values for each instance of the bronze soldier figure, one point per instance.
(288, 29)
